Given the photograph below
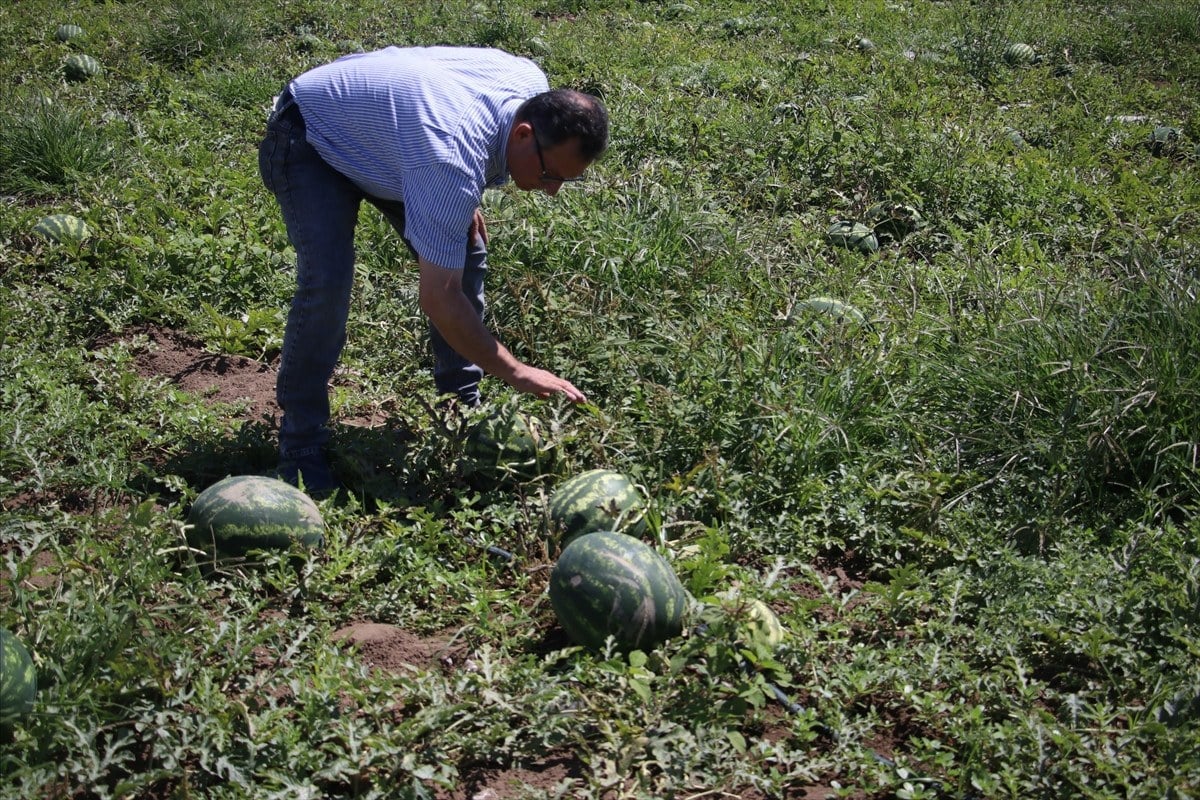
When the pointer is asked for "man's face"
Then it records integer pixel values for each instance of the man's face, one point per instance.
(534, 167)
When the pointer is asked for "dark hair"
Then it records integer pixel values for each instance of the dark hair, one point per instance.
(560, 115)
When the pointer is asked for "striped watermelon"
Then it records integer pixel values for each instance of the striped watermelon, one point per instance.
(507, 445)
(252, 512)
(597, 500)
(18, 679)
(62, 229)
(762, 626)
(80, 67)
(606, 583)
(1019, 54)
(853, 235)
(65, 33)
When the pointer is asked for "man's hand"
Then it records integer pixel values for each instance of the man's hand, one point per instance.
(540, 383)
(443, 301)
(479, 227)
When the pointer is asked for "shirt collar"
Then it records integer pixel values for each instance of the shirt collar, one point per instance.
(497, 166)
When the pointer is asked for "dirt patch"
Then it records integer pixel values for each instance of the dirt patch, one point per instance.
(184, 361)
(555, 771)
(394, 649)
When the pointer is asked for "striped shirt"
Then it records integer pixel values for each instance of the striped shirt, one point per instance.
(426, 126)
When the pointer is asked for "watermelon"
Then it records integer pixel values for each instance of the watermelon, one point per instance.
(243, 513)
(606, 583)
(840, 311)
(853, 235)
(1163, 139)
(80, 67)
(597, 500)
(308, 42)
(507, 445)
(762, 626)
(65, 33)
(893, 220)
(18, 679)
(62, 229)
(1019, 54)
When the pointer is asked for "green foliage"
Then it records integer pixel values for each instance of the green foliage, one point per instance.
(192, 30)
(49, 145)
(972, 503)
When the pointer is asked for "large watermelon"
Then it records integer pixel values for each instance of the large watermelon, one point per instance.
(597, 500)
(18, 679)
(507, 445)
(252, 512)
(62, 228)
(610, 583)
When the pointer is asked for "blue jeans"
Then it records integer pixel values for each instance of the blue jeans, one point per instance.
(320, 209)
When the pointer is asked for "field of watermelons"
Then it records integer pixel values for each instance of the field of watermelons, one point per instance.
(889, 475)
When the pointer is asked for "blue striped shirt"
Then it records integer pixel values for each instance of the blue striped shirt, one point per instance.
(427, 126)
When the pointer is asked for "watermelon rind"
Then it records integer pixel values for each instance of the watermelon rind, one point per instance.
(597, 500)
(244, 513)
(62, 229)
(18, 679)
(609, 584)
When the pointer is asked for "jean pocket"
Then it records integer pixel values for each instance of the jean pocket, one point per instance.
(267, 151)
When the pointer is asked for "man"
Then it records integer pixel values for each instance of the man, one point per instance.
(419, 133)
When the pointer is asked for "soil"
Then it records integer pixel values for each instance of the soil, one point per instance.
(185, 362)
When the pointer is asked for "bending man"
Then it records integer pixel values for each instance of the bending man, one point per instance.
(419, 133)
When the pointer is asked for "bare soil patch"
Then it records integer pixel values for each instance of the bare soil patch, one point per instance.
(394, 649)
(220, 378)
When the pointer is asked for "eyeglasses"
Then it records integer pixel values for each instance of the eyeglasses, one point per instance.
(546, 175)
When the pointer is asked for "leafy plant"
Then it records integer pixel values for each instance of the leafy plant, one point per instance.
(49, 147)
(192, 30)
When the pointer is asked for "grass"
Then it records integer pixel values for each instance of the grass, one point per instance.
(974, 511)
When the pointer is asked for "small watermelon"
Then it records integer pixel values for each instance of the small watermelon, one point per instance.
(1019, 54)
(507, 445)
(18, 679)
(606, 583)
(62, 229)
(597, 500)
(308, 42)
(243, 513)
(839, 310)
(762, 625)
(65, 33)
(1163, 140)
(893, 220)
(853, 235)
(80, 67)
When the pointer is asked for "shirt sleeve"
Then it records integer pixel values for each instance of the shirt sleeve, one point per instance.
(439, 205)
